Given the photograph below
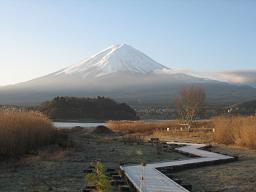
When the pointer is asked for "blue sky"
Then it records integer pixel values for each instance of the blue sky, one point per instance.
(41, 36)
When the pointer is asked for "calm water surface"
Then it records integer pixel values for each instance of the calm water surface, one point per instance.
(74, 124)
(93, 125)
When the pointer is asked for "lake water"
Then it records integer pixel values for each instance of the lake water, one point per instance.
(74, 124)
(92, 125)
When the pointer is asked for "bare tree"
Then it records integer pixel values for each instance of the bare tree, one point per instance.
(190, 103)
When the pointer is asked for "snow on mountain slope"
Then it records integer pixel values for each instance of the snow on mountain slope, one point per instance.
(117, 58)
(123, 73)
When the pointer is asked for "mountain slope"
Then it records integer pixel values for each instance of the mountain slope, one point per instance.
(117, 58)
(241, 77)
(125, 74)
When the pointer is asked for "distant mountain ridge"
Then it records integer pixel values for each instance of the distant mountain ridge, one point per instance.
(240, 77)
(124, 74)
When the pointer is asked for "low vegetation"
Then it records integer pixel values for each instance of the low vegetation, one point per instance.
(22, 131)
(236, 130)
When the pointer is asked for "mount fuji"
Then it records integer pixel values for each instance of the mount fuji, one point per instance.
(125, 74)
(117, 58)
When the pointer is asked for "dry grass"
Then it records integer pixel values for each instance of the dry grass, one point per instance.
(139, 126)
(228, 130)
(22, 131)
(197, 135)
(150, 127)
(200, 131)
(236, 130)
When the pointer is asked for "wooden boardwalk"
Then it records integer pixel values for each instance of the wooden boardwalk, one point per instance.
(155, 181)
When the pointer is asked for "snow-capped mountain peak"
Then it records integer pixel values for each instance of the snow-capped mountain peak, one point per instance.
(116, 58)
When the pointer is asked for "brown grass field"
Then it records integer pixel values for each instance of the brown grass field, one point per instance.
(21, 131)
(150, 127)
(235, 130)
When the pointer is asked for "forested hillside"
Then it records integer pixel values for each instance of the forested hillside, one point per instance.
(100, 108)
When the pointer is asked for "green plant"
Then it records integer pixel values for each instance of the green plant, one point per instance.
(98, 178)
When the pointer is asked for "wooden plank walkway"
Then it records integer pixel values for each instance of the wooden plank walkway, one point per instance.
(155, 181)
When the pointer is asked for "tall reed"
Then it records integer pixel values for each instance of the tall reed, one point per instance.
(22, 131)
(236, 130)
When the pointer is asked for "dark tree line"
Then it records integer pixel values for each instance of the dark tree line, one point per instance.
(99, 108)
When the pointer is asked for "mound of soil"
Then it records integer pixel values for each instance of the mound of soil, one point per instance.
(102, 130)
